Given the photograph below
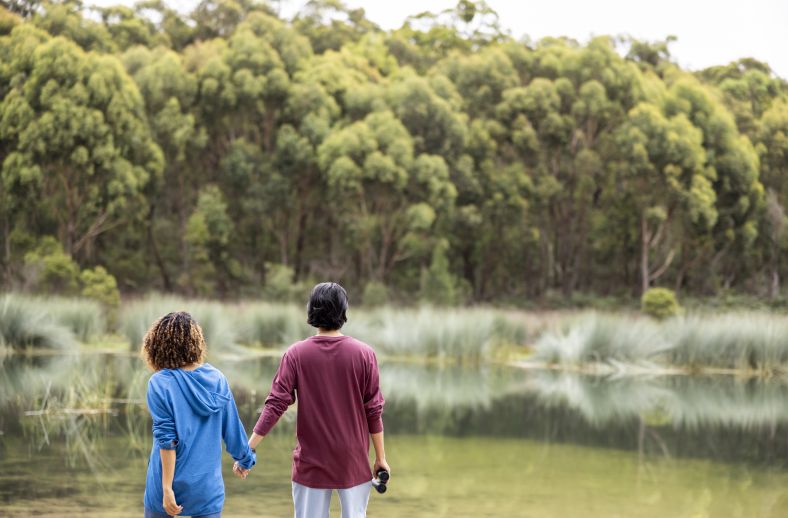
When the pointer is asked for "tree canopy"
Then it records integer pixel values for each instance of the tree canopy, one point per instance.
(445, 160)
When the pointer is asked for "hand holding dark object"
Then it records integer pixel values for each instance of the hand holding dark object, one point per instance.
(381, 479)
(381, 464)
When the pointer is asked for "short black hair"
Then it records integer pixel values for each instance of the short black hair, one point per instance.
(327, 307)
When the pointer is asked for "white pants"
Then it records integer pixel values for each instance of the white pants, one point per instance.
(313, 503)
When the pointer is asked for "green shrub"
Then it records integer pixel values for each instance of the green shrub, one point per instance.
(279, 284)
(439, 285)
(660, 303)
(375, 294)
(100, 285)
(48, 269)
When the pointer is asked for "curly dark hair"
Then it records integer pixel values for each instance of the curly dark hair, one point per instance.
(327, 307)
(173, 341)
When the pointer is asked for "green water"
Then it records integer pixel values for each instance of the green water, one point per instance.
(489, 441)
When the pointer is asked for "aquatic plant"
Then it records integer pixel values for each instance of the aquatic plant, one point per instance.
(271, 324)
(216, 319)
(24, 323)
(757, 341)
(448, 334)
(747, 341)
(84, 318)
(595, 337)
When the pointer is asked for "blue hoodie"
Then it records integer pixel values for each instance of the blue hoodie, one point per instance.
(193, 411)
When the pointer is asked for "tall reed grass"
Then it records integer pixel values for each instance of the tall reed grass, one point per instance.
(83, 317)
(445, 334)
(271, 325)
(742, 341)
(466, 334)
(218, 321)
(24, 324)
(50, 323)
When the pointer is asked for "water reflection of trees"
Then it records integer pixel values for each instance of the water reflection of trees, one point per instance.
(716, 417)
(81, 400)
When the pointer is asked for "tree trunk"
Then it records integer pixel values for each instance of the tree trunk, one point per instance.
(165, 277)
(6, 250)
(644, 248)
(774, 288)
(299, 247)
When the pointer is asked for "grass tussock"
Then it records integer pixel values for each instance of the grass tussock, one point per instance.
(445, 334)
(734, 341)
(218, 321)
(25, 324)
(84, 318)
(271, 325)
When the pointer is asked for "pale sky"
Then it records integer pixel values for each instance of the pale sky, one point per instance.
(710, 32)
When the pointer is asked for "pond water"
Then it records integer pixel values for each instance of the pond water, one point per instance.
(462, 442)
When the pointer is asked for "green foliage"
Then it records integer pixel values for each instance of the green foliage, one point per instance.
(440, 287)
(208, 234)
(74, 133)
(48, 269)
(100, 285)
(375, 294)
(660, 303)
(280, 285)
(189, 152)
(8, 21)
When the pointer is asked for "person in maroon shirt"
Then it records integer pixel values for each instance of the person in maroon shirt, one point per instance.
(335, 379)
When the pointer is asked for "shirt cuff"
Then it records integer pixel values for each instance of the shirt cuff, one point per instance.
(375, 425)
(168, 445)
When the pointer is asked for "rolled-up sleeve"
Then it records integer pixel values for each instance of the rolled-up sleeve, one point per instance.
(164, 433)
(373, 397)
(235, 437)
(282, 395)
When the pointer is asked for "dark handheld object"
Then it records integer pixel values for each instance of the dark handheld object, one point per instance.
(379, 483)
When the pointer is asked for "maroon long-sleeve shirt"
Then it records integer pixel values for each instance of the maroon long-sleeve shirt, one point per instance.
(337, 383)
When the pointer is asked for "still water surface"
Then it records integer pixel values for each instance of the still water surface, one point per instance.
(462, 442)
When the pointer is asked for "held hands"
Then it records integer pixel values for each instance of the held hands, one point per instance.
(169, 503)
(239, 471)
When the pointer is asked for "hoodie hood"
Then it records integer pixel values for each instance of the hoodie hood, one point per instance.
(202, 388)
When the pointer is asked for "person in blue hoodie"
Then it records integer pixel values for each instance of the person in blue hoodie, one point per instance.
(193, 411)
